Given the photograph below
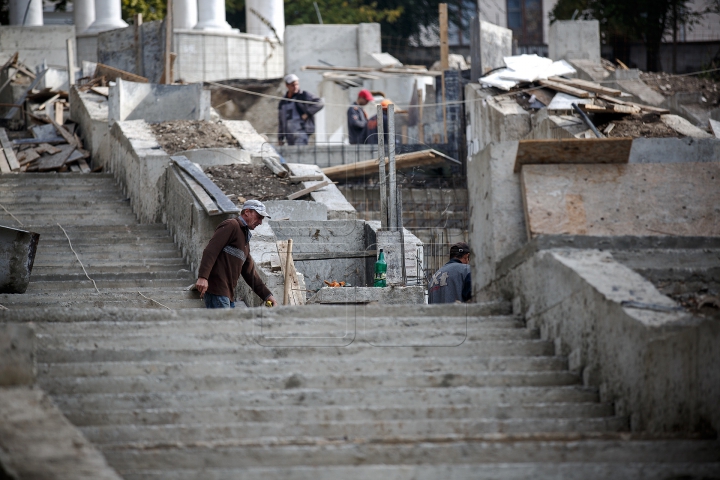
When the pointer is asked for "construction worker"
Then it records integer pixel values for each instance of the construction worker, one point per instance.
(227, 256)
(452, 282)
(357, 118)
(296, 118)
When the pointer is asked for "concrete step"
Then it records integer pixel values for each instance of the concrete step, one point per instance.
(101, 265)
(581, 470)
(135, 283)
(148, 269)
(275, 366)
(30, 221)
(118, 277)
(101, 210)
(350, 413)
(102, 252)
(80, 230)
(108, 238)
(219, 381)
(59, 198)
(122, 302)
(45, 178)
(151, 435)
(311, 398)
(235, 455)
(94, 298)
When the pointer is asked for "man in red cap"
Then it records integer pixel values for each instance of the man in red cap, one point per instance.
(357, 118)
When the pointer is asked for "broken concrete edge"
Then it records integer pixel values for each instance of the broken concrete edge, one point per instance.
(37, 441)
(388, 295)
(659, 368)
(17, 350)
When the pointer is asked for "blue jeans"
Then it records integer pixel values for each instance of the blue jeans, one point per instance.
(217, 301)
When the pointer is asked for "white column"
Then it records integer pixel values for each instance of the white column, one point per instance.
(185, 13)
(271, 10)
(83, 14)
(108, 16)
(28, 13)
(211, 15)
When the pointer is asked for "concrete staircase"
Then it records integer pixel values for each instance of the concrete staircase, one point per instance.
(125, 259)
(393, 392)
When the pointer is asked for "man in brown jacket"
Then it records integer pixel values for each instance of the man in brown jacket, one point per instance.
(227, 256)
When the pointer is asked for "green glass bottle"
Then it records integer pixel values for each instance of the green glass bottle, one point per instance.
(380, 271)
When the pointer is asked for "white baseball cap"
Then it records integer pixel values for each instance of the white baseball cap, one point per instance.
(256, 205)
(291, 77)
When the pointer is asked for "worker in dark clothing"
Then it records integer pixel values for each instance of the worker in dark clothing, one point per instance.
(452, 282)
(227, 256)
(357, 118)
(296, 113)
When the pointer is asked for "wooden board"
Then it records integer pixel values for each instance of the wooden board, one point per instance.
(370, 167)
(47, 148)
(585, 85)
(111, 73)
(200, 194)
(647, 108)
(307, 190)
(35, 141)
(9, 153)
(4, 167)
(575, 92)
(572, 150)
(84, 167)
(305, 257)
(297, 296)
(28, 157)
(54, 162)
(64, 133)
(306, 178)
(634, 199)
(224, 203)
(11, 113)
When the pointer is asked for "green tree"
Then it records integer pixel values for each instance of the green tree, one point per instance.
(150, 9)
(338, 11)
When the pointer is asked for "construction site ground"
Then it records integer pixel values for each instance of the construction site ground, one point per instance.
(181, 135)
(668, 85)
(250, 182)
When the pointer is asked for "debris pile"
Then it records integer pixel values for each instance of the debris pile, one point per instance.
(250, 182)
(182, 135)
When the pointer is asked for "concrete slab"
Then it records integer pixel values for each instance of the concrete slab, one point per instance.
(490, 43)
(683, 127)
(387, 295)
(296, 210)
(338, 207)
(36, 44)
(90, 111)
(208, 157)
(157, 103)
(636, 199)
(573, 39)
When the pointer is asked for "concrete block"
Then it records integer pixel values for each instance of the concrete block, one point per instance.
(656, 366)
(118, 48)
(17, 351)
(36, 45)
(157, 103)
(385, 296)
(251, 141)
(571, 39)
(87, 48)
(296, 210)
(90, 112)
(338, 207)
(684, 127)
(490, 43)
(494, 119)
(369, 45)
(208, 157)
(590, 70)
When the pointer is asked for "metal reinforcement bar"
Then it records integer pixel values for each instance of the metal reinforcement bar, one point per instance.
(381, 162)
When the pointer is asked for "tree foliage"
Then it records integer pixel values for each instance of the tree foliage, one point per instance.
(339, 11)
(150, 9)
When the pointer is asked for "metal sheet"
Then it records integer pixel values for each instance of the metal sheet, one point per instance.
(17, 255)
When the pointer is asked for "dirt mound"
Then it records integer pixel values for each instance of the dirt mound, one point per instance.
(250, 182)
(180, 135)
(668, 85)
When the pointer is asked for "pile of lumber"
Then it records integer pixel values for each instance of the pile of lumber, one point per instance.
(52, 148)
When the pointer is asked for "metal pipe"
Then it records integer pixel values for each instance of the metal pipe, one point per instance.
(286, 289)
(381, 163)
(392, 204)
(587, 120)
(402, 236)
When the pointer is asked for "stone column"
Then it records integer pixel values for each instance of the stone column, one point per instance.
(185, 13)
(271, 10)
(83, 15)
(211, 15)
(28, 13)
(108, 16)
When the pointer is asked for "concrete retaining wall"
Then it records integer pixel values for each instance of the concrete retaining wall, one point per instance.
(661, 369)
(157, 103)
(90, 112)
(569, 39)
(36, 44)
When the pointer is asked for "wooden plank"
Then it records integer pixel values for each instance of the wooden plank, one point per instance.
(4, 167)
(296, 295)
(224, 203)
(167, 70)
(444, 45)
(306, 257)
(572, 150)
(70, 43)
(111, 73)
(611, 200)
(29, 157)
(59, 117)
(55, 162)
(11, 61)
(9, 153)
(200, 194)
(64, 133)
(370, 167)
(47, 148)
(11, 113)
(104, 91)
(339, 69)
(307, 190)
(84, 167)
(589, 86)
(306, 178)
(575, 92)
(647, 108)
(47, 102)
(74, 168)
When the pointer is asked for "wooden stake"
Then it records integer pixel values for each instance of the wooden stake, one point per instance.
(71, 61)
(59, 118)
(288, 258)
(444, 47)
(168, 42)
(139, 69)
(421, 127)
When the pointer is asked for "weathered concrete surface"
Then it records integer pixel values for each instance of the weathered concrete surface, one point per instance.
(391, 243)
(155, 103)
(386, 296)
(90, 111)
(632, 199)
(87, 47)
(296, 210)
(119, 48)
(656, 366)
(17, 351)
(629, 82)
(489, 44)
(207, 56)
(36, 44)
(571, 39)
(207, 157)
(337, 206)
(37, 441)
(590, 70)
(682, 126)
